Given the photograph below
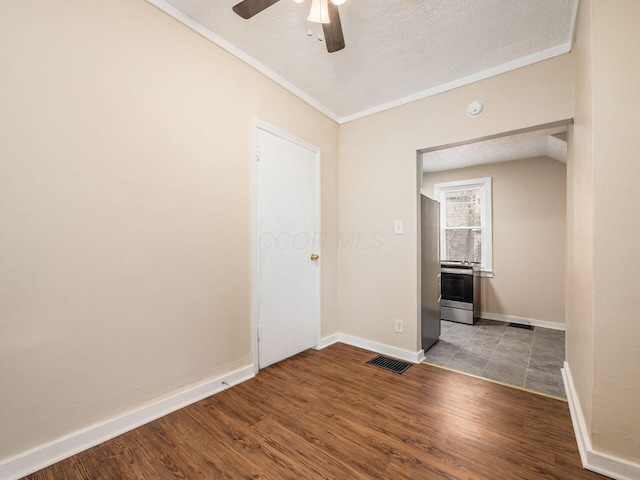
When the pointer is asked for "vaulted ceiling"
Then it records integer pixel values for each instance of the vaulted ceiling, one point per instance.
(396, 51)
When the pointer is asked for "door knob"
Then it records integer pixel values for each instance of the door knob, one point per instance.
(314, 257)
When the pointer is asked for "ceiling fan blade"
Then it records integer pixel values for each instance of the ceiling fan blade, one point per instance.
(333, 36)
(248, 8)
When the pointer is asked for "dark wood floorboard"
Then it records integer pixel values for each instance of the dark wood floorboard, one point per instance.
(327, 414)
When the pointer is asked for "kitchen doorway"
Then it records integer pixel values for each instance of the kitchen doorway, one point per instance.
(524, 283)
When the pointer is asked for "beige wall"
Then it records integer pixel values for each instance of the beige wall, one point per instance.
(579, 321)
(125, 143)
(378, 185)
(529, 223)
(608, 101)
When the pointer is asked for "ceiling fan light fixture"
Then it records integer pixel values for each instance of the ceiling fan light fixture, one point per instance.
(319, 11)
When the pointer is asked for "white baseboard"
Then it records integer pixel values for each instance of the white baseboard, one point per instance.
(593, 460)
(326, 341)
(527, 321)
(399, 353)
(48, 454)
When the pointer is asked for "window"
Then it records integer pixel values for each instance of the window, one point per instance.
(465, 221)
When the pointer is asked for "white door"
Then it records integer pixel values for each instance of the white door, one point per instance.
(287, 209)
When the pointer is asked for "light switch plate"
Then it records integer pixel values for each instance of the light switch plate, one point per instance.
(398, 227)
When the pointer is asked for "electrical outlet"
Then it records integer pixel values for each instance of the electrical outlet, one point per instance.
(399, 326)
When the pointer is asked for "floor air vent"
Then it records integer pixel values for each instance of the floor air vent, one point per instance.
(521, 325)
(386, 363)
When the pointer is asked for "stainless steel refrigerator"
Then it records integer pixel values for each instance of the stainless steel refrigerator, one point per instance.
(430, 271)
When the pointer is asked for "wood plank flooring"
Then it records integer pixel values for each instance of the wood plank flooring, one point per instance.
(327, 414)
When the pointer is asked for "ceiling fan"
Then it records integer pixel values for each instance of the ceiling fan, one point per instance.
(322, 11)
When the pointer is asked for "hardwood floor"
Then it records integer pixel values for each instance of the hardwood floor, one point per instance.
(327, 414)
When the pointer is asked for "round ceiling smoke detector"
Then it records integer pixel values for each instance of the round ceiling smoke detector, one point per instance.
(475, 108)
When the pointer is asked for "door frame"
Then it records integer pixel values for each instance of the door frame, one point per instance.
(258, 124)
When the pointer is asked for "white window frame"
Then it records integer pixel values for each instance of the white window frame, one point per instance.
(439, 190)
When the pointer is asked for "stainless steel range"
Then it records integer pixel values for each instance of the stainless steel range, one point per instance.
(460, 290)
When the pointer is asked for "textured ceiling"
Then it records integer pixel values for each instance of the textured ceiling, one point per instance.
(396, 50)
(550, 143)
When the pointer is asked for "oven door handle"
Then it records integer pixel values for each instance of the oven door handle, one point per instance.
(457, 271)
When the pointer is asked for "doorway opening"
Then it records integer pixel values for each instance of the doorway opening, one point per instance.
(524, 281)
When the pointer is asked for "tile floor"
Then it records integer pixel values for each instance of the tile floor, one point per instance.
(525, 358)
